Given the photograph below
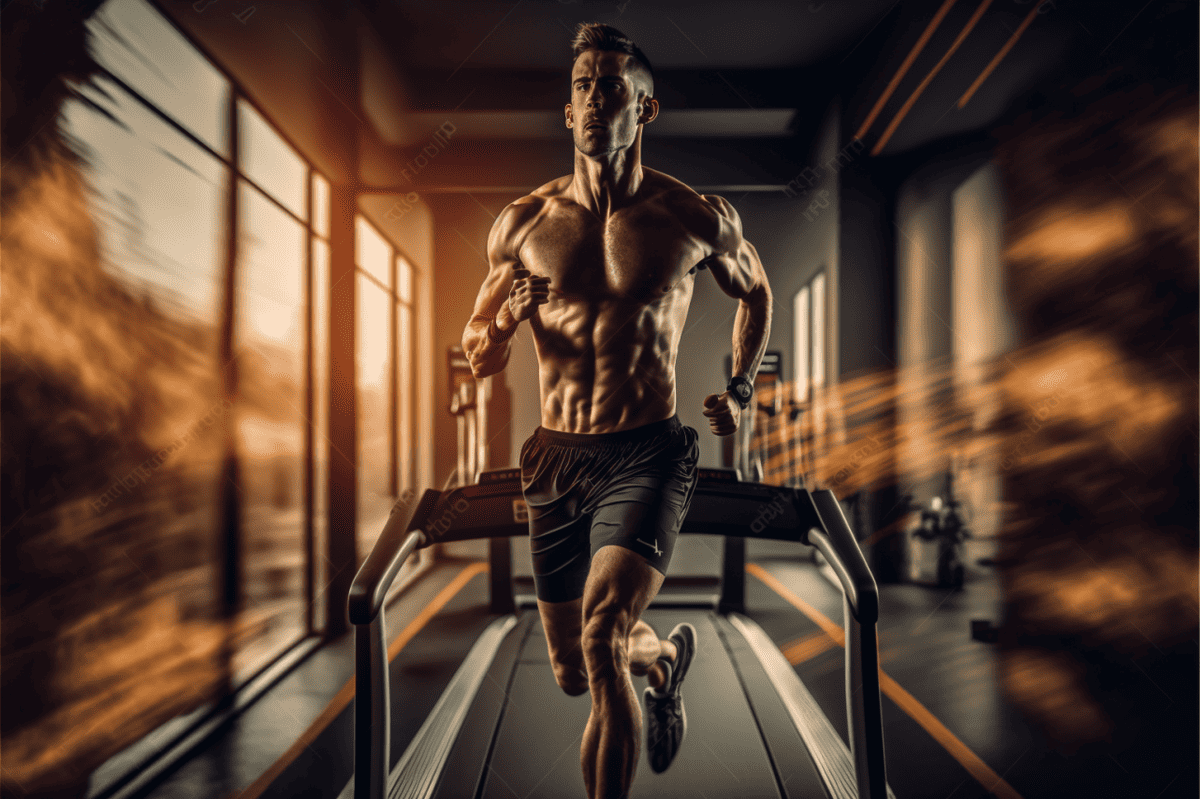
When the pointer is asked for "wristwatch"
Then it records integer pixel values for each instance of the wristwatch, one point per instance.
(741, 389)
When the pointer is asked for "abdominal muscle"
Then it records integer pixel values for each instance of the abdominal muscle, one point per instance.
(608, 366)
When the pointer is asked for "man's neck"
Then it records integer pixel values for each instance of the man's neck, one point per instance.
(608, 183)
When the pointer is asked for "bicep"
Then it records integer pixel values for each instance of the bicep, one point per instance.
(732, 260)
(739, 274)
(722, 225)
(501, 263)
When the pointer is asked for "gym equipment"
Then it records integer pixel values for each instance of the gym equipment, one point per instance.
(943, 523)
(501, 723)
(468, 405)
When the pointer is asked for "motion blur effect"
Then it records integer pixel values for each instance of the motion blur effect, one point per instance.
(234, 241)
(108, 574)
(124, 396)
(1098, 553)
(1096, 431)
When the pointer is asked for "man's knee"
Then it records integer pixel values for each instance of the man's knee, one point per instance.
(571, 679)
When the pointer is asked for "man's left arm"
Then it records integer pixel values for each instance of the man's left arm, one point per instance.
(736, 267)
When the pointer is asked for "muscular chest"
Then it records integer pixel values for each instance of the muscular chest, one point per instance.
(635, 256)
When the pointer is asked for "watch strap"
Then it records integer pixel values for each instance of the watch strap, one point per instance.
(741, 389)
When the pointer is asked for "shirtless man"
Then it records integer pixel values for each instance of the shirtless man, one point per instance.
(602, 264)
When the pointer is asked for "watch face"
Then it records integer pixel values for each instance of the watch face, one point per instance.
(743, 389)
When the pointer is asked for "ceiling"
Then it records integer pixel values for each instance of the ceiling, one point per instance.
(674, 34)
(757, 73)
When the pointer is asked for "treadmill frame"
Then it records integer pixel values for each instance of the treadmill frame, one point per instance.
(721, 505)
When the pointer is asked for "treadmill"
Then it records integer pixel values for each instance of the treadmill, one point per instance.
(503, 728)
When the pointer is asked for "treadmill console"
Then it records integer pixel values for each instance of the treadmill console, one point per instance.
(499, 476)
(720, 475)
(513, 475)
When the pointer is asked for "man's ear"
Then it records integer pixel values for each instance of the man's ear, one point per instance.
(567, 110)
(649, 111)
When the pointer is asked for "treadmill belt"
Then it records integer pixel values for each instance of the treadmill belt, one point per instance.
(536, 751)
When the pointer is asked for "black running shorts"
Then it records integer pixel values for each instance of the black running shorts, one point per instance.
(632, 488)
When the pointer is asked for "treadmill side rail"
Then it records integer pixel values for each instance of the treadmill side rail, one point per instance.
(416, 775)
(829, 752)
(420, 768)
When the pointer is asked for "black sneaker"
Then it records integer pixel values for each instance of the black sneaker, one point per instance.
(666, 720)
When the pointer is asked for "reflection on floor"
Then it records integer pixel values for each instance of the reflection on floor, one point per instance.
(949, 732)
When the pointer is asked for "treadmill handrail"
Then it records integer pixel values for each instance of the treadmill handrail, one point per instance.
(486, 510)
(839, 546)
(401, 536)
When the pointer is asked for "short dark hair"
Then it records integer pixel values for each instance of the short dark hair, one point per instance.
(598, 36)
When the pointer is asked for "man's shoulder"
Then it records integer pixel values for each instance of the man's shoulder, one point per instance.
(691, 208)
(556, 190)
(526, 208)
(668, 189)
(520, 216)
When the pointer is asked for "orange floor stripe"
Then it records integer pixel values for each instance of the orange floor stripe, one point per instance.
(344, 696)
(834, 631)
(970, 761)
(804, 649)
(981, 771)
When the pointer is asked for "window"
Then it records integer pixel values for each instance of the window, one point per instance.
(269, 344)
(406, 455)
(150, 593)
(376, 430)
(162, 183)
(386, 457)
(158, 203)
(128, 36)
(268, 160)
(808, 307)
(319, 286)
(803, 329)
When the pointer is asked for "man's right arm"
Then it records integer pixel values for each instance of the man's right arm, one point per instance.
(487, 339)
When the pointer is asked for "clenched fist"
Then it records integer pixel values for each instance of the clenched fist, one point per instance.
(528, 292)
(723, 414)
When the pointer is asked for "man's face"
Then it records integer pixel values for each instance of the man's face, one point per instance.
(604, 111)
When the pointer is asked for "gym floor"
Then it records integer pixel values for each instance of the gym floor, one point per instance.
(950, 734)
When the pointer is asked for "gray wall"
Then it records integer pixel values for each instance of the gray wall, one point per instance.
(925, 258)
(462, 224)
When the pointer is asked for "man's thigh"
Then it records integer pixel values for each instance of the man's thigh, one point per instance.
(620, 586)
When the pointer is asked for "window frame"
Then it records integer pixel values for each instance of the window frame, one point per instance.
(237, 175)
